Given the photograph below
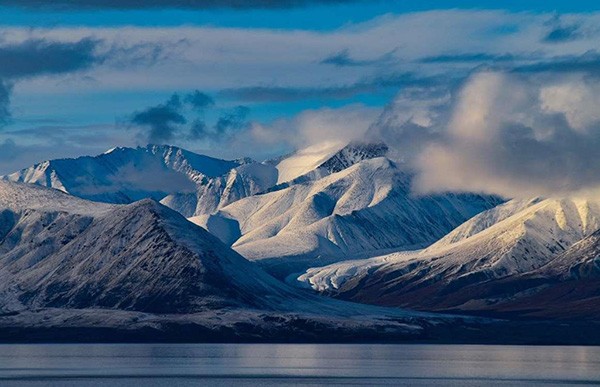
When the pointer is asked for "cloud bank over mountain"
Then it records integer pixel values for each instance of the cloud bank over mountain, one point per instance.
(508, 133)
(273, 90)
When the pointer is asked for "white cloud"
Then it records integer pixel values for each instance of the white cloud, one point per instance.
(320, 125)
(577, 99)
(217, 58)
(515, 136)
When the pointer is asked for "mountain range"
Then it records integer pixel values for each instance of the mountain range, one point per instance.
(316, 206)
(161, 242)
(67, 262)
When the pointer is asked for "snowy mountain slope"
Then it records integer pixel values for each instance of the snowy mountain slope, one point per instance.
(453, 272)
(142, 256)
(567, 287)
(187, 182)
(17, 197)
(364, 208)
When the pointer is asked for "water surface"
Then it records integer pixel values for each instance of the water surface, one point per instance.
(117, 365)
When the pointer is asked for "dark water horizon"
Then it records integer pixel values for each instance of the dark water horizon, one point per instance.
(119, 365)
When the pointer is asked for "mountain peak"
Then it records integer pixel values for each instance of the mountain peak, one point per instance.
(353, 153)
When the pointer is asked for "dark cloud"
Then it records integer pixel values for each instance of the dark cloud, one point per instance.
(168, 120)
(199, 100)
(140, 54)
(589, 62)
(42, 57)
(35, 57)
(228, 124)
(8, 150)
(343, 59)
(469, 58)
(162, 120)
(366, 86)
(563, 34)
(5, 91)
(150, 4)
(232, 121)
(560, 31)
(199, 130)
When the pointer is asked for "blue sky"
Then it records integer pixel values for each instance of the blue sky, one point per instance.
(78, 78)
(318, 17)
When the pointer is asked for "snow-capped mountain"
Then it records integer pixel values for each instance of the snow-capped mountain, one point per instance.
(142, 256)
(190, 183)
(67, 263)
(361, 209)
(518, 239)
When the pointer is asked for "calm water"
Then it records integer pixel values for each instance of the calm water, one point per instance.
(305, 365)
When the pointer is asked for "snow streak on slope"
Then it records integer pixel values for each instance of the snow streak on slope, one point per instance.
(511, 239)
(306, 160)
(361, 209)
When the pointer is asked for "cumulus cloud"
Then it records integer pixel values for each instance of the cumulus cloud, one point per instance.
(319, 125)
(517, 135)
(199, 100)
(436, 50)
(149, 4)
(232, 121)
(228, 124)
(411, 121)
